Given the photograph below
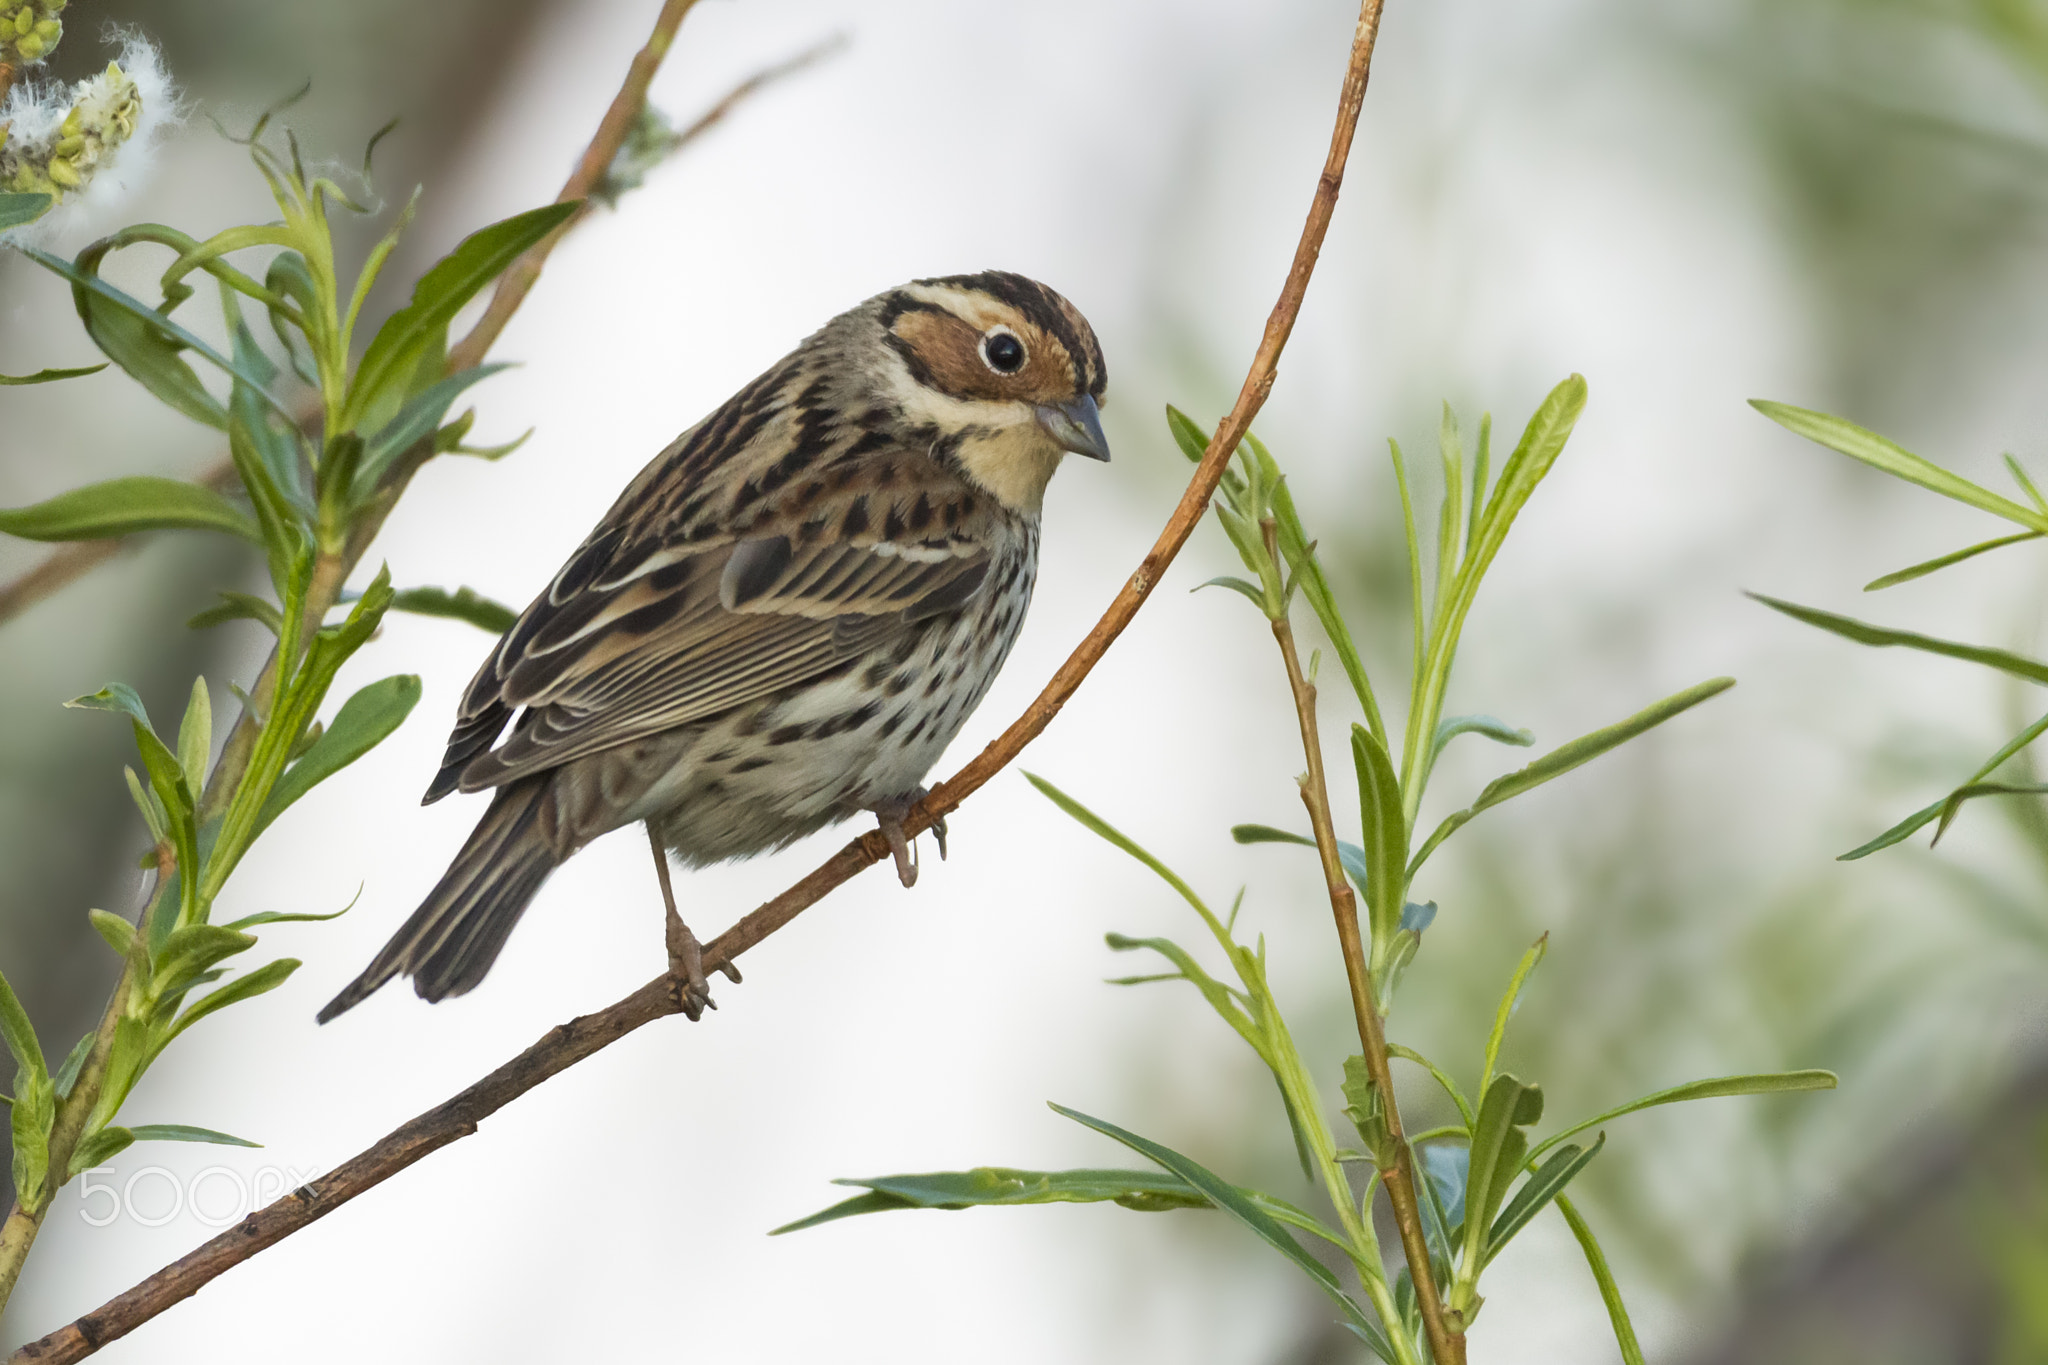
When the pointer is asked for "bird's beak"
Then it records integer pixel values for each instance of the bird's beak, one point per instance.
(1076, 426)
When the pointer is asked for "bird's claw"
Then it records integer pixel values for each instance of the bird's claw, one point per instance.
(687, 986)
(889, 815)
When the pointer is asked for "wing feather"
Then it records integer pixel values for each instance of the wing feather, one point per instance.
(635, 637)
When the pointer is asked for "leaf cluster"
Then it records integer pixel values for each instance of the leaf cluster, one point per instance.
(1880, 453)
(1487, 1175)
(324, 430)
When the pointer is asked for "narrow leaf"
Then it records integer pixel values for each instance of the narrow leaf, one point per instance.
(1874, 450)
(122, 507)
(1386, 835)
(363, 722)
(1233, 1201)
(99, 1148)
(1505, 1011)
(1865, 634)
(1932, 811)
(1921, 570)
(118, 933)
(1498, 730)
(1000, 1186)
(20, 1036)
(1266, 834)
(66, 1075)
(195, 734)
(99, 301)
(49, 376)
(238, 606)
(185, 1132)
(464, 604)
(1764, 1083)
(1566, 757)
(246, 987)
(394, 353)
(1610, 1293)
(414, 422)
(1538, 1190)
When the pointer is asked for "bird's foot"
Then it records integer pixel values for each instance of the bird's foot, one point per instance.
(889, 815)
(687, 986)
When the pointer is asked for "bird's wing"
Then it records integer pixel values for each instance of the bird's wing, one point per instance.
(642, 633)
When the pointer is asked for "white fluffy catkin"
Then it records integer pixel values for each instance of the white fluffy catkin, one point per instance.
(90, 144)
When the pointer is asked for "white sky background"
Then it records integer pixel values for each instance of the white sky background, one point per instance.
(1508, 219)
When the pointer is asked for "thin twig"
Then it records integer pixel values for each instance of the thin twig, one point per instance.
(65, 566)
(569, 1043)
(1446, 1344)
(618, 121)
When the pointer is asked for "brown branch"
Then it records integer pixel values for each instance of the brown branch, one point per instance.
(569, 1043)
(618, 121)
(65, 566)
(1446, 1342)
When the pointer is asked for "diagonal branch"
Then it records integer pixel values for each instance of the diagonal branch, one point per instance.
(67, 565)
(567, 1044)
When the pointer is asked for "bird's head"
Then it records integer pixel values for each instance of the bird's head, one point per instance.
(1004, 374)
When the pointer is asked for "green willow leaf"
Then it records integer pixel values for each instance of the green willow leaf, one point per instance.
(1925, 567)
(394, 354)
(20, 1034)
(66, 1075)
(1192, 440)
(1236, 1203)
(49, 376)
(1566, 757)
(1864, 633)
(238, 606)
(1952, 804)
(1761, 1083)
(1876, 451)
(1002, 1186)
(1499, 1148)
(185, 1132)
(246, 987)
(1494, 729)
(1610, 1293)
(1538, 1190)
(98, 301)
(464, 604)
(1933, 810)
(414, 422)
(122, 507)
(363, 722)
(1506, 1009)
(1266, 834)
(1385, 835)
(99, 1148)
(17, 209)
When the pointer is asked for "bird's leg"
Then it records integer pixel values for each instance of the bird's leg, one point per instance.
(685, 954)
(889, 815)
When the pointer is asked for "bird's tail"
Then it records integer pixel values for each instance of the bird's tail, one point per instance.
(455, 935)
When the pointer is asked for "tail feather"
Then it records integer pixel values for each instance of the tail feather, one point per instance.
(449, 943)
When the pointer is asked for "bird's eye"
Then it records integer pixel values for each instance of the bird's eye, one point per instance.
(1002, 352)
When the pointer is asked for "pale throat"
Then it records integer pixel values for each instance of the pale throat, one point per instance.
(1014, 463)
(1003, 449)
